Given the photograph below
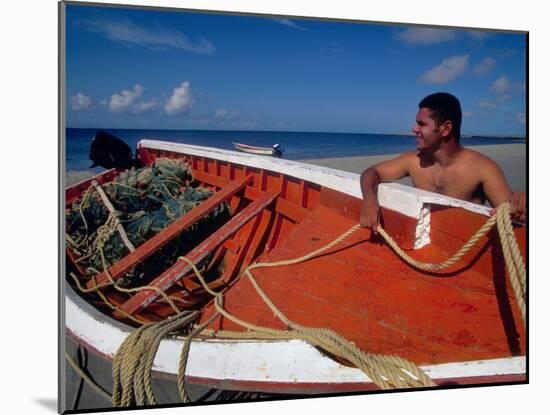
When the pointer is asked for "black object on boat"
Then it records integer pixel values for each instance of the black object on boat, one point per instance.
(110, 152)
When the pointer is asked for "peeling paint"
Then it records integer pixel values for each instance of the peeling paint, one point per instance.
(422, 234)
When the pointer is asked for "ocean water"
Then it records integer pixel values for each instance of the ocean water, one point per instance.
(296, 145)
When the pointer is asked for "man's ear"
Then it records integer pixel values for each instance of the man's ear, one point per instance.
(446, 128)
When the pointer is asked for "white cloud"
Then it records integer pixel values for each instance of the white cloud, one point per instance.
(226, 114)
(501, 85)
(447, 70)
(467, 113)
(123, 102)
(127, 32)
(127, 101)
(144, 106)
(426, 36)
(520, 116)
(487, 104)
(181, 99)
(486, 65)
(80, 102)
(290, 23)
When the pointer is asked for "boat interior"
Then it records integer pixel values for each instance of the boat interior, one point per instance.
(360, 288)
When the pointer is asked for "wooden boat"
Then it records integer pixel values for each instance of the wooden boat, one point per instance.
(275, 150)
(461, 328)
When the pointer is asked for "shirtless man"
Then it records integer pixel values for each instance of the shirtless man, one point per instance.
(441, 165)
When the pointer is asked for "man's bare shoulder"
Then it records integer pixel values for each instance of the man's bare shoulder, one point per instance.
(481, 160)
(394, 168)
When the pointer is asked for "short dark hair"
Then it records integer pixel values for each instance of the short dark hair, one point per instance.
(444, 106)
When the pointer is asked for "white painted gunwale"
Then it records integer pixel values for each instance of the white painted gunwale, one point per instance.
(395, 196)
(290, 361)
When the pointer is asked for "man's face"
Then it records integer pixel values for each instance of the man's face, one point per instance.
(427, 132)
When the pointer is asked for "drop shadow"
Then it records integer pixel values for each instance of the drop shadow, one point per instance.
(48, 403)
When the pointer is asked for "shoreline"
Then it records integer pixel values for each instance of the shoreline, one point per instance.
(512, 158)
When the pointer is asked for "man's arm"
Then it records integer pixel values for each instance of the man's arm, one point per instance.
(497, 191)
(394, 169)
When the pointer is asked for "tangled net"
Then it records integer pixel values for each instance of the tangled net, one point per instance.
(146, 201)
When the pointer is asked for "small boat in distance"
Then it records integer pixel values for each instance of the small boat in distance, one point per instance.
(276, 150)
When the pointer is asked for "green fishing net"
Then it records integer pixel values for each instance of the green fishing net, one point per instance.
(147, 200)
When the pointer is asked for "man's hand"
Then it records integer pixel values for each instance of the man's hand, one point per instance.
(370, 214)
(370, 179)
(518, 206)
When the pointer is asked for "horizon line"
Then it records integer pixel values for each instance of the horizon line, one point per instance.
(469, 135)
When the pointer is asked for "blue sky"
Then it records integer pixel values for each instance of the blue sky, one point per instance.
(129, 68)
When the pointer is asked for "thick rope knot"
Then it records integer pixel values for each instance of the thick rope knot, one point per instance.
(134, 359)
(105, 231)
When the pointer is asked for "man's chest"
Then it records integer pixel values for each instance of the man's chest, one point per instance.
(452, 182)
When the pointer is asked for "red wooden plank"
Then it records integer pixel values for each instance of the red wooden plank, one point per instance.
(179, 269)
(291, 210)
(73, 259)
(148, 248)
(274, 236)
(303, 191)
(252, 251)
(249, 245)
(210, 179)
(75, 191)
(287, 208)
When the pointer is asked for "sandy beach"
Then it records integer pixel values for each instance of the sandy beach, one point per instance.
(512, 158)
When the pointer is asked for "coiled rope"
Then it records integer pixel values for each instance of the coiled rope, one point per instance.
(133, 361)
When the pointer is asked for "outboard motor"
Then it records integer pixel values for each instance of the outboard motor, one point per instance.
(110, 152)
(277, 150)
